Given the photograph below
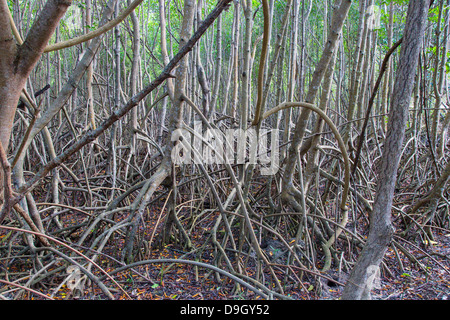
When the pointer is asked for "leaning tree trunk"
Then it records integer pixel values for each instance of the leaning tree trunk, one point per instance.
(361, 278)
(18, 60)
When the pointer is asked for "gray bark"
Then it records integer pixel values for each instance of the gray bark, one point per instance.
(361, 278)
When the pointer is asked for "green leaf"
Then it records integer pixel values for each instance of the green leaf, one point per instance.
(405, 274)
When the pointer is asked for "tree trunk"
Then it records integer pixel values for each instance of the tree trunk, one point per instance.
(17, 62)
(361, 278)
(339, 16)
(387, 78)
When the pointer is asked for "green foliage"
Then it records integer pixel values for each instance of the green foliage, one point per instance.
(399, 2)
(447, 64)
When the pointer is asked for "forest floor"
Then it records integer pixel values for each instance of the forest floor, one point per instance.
(431, 282)
(400, 279)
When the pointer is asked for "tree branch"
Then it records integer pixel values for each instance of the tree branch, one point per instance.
(91, 35)
(39, 35)
(372, 99)
(91, 135)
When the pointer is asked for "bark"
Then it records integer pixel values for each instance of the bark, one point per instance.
(436, 193)
(361, 94)
(277, 59)
(439, 89)
(339, 16)
(90, 73)
(135, 67)
(361, 278)
(357, 69)
(438, 75)
(17, 62)
(234, 64)
(387, 78)
(246, 72)
(262, 63)
(318, 126)
(68, 89)
(292, 65)
(176, 115)
(165, 54)
(91, 135)
(383, 69)
(218, 70)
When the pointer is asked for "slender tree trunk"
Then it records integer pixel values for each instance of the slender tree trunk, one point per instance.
(176, 115)
(363, 274)
(339, 16)
(234, 61)
(357, 69)
(166, 58)
(246, 72)
(319, 124)
(387, 77)
(134, 79)
(439, 83)
(363, 90)
(218, 70)
(292, 69)
(90, 71)
(164, 52)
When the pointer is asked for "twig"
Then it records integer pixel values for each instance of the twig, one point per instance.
(371, 100)
(25, 288)
(72, 249)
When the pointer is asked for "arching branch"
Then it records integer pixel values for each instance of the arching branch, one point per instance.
(91, 35)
